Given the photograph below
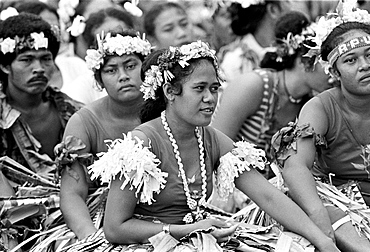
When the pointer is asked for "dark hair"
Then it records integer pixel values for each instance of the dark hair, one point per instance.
(98, 18)
(336, 36)
(23, 25)
(97, 74)
(152, 108)
(293, 22)
(35, 7)
(246, 20)
(154, 12)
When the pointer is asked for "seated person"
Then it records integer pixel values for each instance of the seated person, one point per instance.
(330, 141)
(33, 115)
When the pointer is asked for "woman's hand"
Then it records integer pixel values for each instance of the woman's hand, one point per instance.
(321, 219)
(222, 230)
(327, 245)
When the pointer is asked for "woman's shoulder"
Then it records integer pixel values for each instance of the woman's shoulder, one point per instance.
(331, 92)
(149, 131)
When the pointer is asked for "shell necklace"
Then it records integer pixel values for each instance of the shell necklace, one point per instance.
(192, 201)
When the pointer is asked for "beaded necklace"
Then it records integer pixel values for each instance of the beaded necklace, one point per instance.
(193, 202)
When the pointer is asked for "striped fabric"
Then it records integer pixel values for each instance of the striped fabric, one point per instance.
(258, 128)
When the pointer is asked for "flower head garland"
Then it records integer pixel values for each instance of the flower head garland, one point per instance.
(33, 41)
(159, 74)
(346, 11)
(115, 45)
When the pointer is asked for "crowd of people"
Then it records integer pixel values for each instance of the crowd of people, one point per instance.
(228, 125)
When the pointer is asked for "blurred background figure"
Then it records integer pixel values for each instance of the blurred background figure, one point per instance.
(314, 8)
(84, 88)
(166, 24)
(254, 27)
(222, 33)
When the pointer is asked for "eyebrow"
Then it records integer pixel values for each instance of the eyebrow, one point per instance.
(31, 54)
(125, 61)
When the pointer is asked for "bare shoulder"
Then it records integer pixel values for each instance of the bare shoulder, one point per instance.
(313, 113)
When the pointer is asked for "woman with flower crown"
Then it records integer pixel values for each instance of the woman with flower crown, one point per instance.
(161, 174)
(325, 154)
(116, 63)
(269, 97)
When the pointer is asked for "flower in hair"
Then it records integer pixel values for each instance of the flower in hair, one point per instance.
(116, 45)
(33, 41)
(39, 41)
(77, 27)
(154, 79)
(291, 43)
(132, 8)
(346, 11)
(66, 9)
(247, 3)
(159, 74)
(8, 12)
(7, 45)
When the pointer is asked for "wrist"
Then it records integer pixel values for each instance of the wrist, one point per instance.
(323, 243)
(166, 228)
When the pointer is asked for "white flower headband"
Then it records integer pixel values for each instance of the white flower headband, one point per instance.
(33, 41)
(346, 11)
(119, 45)
(159, 74)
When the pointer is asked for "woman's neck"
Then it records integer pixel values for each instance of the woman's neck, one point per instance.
(180, 130)
(123, 110)
(264, 34)
(293, 85)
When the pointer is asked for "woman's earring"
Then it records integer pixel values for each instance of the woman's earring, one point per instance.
(171, 100)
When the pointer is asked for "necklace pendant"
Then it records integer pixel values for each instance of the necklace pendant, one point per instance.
(192, 203)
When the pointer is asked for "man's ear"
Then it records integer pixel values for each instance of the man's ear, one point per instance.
(5, 69)
(168, 91)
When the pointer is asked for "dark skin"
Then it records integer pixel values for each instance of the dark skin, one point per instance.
(28, 77)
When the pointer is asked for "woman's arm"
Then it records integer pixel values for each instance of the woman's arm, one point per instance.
(239, 100)
(282, 209)
(74, 186)
(73, 196)
(297, 174)
(121, 227)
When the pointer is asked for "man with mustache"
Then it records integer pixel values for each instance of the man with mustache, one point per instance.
(32, 120)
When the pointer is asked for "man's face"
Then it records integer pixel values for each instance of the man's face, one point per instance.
(30, 71)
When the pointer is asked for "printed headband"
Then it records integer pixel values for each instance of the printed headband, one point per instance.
(346, 47)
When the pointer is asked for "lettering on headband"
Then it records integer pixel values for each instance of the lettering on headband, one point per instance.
(346, 47)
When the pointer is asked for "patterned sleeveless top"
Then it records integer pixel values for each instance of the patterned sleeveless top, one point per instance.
(259, 127)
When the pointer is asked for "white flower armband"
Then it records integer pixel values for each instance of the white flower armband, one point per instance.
(134, 164)
(232, 164)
